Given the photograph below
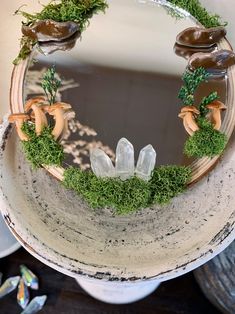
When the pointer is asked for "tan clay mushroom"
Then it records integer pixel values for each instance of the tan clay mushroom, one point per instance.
(216, 107)
(19, 119)
(188, 115)
(38, 114)
(57, 110)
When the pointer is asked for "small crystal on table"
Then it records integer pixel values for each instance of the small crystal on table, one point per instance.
(23, 294)
(9, 285)
(125, 163)
(146, 163)
(29, 278)
(35, 305)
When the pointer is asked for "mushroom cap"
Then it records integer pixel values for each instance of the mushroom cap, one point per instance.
(33, 101)
(18, 116)
(216, 105)
(192, 109)
(58, 105)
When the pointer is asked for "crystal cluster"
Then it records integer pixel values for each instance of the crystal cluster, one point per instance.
(124, 169)
(26, 281)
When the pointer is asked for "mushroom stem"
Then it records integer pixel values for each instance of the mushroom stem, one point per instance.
(190, 122)
(20, 133)
(39, 119)
(59, 122)
(216, 119)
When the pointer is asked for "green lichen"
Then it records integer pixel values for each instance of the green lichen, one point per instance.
(130, 195)
(206, 141)
(195, 8)
(26, 46)
(42, 149)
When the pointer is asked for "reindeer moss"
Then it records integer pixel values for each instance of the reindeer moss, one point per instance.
(206, 141)
(43, 149)
(195, 8)
(167, 182)
(130, 195)
(79, 11)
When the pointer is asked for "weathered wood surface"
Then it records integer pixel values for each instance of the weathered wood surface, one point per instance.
(178, 296)
(217, 280)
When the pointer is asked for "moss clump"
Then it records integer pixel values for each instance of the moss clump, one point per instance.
(42, 149)
(79, 11)
(195, 8)
(205, 142)
(130, 195)
(167, 182)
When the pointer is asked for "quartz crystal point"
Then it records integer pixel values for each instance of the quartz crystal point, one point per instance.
(35, 305)
(101, 164)
(9, 285)
(23, 294)
(146, 163)
(125, 163)
(29, 278)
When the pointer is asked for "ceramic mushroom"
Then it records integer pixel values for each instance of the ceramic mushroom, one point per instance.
(188, 115)
(19, 119)
(58, 110)
(49, 30)
(220, 60)
(38, 114)
(200, 37)
(216, 107)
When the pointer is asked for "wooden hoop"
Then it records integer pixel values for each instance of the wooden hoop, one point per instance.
(200, 167)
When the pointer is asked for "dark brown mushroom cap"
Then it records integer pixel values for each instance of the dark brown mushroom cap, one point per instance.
(49, 30)
(18, 117)
(186, 52)
(50, 47)
(219, 60)
(216, 105)
(200, 37)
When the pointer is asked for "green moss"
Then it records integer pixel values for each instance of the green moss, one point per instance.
(43, 149)
(79, 11)
(206, 141)
(167, 182)
(130, 195)
(195, 8)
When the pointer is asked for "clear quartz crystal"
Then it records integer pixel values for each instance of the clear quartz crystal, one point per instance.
(23, 294)
(146, 163)
(125, 163)
(30, 279)
(9, 285)
(101, 164)
(35, 305)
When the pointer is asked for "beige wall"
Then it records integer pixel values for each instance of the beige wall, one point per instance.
(10, 34)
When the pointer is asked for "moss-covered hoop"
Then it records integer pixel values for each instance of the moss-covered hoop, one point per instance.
(200, 166)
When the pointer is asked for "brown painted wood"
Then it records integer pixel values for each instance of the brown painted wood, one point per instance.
(178, 296)
(217, 280)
